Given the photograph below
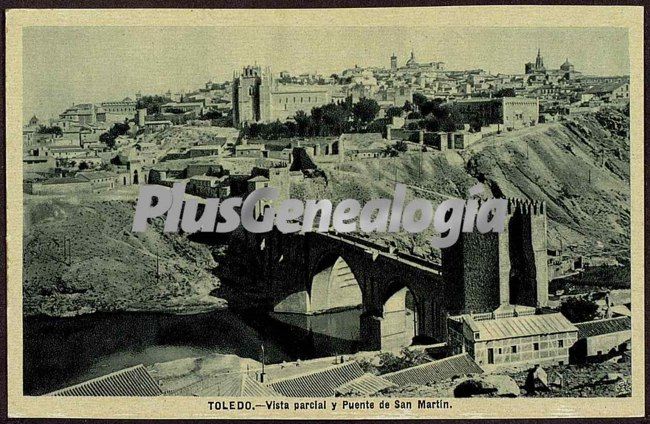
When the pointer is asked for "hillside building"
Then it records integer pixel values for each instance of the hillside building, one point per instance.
(611, 92)
(412, 64)
(118, 111)
(511, 112)
(599, 340)
(258, 97)
(512, 336)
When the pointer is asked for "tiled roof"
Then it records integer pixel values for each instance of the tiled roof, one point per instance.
(603, 326)
(66, 149)
(231, 384)
(95, 175)
(135, 381)
(360, 140)
(367, 384)
(621, 310)
(520, 326)
(64, 180)
(259, 178)
(604, 88)
(318, 384)
(435, 371)
(158, 122)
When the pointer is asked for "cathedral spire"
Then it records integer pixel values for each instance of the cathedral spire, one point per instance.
(539, 62)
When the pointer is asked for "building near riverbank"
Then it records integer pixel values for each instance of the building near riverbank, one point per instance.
(134, 381)
(602, 339)
(512, 337)
(226, 384)
(435, 371)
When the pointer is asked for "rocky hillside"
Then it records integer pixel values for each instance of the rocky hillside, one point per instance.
(184, 136)
(108, 267)
(580, 167)
(607, 379)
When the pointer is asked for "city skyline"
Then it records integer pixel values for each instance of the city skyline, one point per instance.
(66, 65)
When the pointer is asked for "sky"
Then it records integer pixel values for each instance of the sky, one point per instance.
(66, 65)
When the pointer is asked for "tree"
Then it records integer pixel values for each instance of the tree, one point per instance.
(330, 119)
(579, 309)
(395, 149)
(413, 126)
(431, 123)
(389, 362)
(116, 130)
(505, 92)
(432, 107)
(394, 111)
(83, 166)
(57, 131)
(152, 103)
(303, 123)
(419, 99)
(224, 121)
(107, 139)
(452, 120)
(401, 146)
(364, 111)
(212, 114)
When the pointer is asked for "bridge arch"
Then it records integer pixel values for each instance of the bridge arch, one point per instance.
(333, 284)
(401, 314)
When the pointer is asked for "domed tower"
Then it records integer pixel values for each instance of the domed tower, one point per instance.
(567, 66)
(411, 62)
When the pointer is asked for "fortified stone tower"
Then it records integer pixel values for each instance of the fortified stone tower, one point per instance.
(251, 95)
(483, 271)
(529, 265)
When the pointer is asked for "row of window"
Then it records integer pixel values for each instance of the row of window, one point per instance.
(120, 109)
(513, 348)
(522, 103)
(302, 99)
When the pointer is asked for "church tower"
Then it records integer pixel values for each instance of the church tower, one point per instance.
(393, 62)
(250, 95)
(539, 61)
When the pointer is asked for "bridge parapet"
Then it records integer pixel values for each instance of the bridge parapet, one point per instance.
(388, 251)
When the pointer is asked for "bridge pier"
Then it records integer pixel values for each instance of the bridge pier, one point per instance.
(370, 333)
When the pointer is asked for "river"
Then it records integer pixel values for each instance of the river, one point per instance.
(59, 352)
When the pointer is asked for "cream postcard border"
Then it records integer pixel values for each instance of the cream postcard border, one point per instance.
(479, 16)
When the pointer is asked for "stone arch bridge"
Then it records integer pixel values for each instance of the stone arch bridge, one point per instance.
(400, 295)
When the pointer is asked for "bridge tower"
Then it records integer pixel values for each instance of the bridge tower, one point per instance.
(483, 271)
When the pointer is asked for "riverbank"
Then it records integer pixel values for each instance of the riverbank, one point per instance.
(81, 257)
(59, 352)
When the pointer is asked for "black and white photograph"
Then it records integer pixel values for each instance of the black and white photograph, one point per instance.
(372, 219)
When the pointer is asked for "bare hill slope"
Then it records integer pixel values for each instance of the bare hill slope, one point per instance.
(109, 267)
(580, 167)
